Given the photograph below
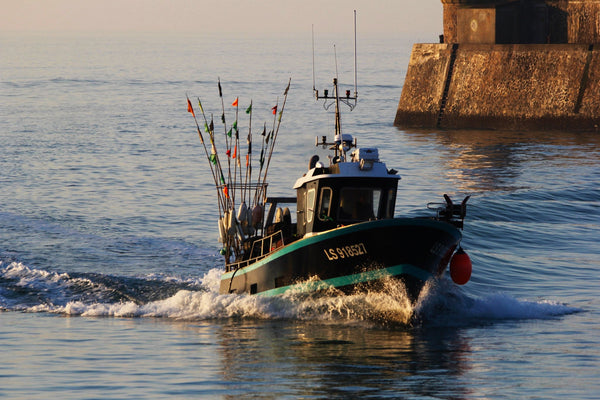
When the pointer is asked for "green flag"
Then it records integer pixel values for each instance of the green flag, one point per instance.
(213, 155)
(249, 109)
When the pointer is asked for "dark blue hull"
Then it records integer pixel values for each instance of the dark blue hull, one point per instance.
(353, 258)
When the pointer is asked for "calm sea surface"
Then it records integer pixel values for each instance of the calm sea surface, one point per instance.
(109, 260)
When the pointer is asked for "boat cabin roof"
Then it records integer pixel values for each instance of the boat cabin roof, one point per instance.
(352, 169)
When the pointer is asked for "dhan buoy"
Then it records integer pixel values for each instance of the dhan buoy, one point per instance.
(460, 267)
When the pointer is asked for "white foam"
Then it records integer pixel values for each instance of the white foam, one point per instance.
(440, 302)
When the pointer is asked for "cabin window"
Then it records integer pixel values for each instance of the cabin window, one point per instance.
(391, 203)
(325, 204)
(310, 205)
(359, 203)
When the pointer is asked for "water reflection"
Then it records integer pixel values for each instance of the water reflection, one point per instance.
(285, 358)
(486, 160)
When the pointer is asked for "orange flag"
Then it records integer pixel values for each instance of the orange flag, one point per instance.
(190, 109)
(226, 191)
(235, 102)
(234, 152)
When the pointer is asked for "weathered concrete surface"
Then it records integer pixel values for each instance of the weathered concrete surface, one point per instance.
(582, 19)
(423, 85)
(540, 21)
(502, 87)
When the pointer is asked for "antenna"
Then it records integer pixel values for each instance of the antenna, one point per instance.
(335, 59)
(348, 99)
(313, 55)
(355, 68)
(337, 98)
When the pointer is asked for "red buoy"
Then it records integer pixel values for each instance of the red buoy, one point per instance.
(460, 267)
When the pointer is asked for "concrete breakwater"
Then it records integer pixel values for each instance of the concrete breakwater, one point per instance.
(502, 86)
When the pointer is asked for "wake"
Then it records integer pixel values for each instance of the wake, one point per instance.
(441, 303)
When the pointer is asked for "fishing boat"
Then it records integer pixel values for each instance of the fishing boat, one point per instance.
(344, 237)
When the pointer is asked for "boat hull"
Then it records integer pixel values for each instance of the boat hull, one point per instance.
(353, 258)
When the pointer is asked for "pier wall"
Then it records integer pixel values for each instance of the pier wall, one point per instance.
(502, 86)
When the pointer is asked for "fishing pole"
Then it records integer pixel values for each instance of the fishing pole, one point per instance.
(214, 159)
(248, 178)
(266, 147)
(227, 142)
(285, 94)
(260, 161)
(213, 172)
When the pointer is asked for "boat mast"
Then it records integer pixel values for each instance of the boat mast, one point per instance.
(348, 99)
(338, 118)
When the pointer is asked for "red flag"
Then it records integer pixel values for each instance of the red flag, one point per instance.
(190, 109)
(235, 102)
(225, 191)
(247, 159)
(274, 109)
(228, 152)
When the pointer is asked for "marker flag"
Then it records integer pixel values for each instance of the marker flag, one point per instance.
(213, 155)
(249, 109)
(200, 105)
(274, 109)
(190, 109)
(235, 102)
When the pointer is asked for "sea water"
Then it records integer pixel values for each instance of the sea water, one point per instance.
(109, 263)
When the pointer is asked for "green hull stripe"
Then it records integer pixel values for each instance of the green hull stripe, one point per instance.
(363, 226)
(351, 279)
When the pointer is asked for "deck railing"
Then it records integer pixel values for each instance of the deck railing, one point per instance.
(260, 249)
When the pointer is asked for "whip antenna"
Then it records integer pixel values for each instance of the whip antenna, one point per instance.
(313, 56)
(355, 68)
(335, 58)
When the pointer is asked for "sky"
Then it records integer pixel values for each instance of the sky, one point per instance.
(222, 16)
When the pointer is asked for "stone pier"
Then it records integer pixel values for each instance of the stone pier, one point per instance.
(507, 65)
